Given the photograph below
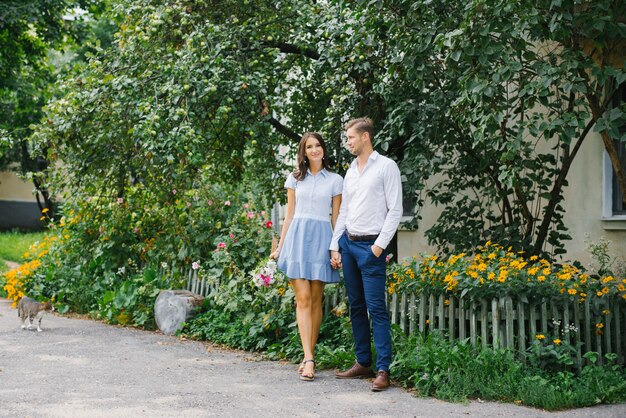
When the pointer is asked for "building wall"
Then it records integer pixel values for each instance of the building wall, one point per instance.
(18, 206)
(584, 211)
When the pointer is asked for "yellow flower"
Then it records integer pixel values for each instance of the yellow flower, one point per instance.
(446, 302)
(45, 210)
(599, 293)
(605, 290)
(556, 341)
(572, 291)
(540, 336)
(534, 258)
(606, 312)
(42, 218)
(541, 278)
(599, 325)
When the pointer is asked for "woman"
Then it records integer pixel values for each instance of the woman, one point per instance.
(312, 193)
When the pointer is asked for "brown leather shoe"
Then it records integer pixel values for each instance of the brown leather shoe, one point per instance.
(381, 382)
(355, 372)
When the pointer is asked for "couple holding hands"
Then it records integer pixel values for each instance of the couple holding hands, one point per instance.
(365, 209)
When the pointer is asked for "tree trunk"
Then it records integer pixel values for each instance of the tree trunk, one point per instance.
(597, 110)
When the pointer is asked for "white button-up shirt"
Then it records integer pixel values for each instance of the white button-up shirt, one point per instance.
(371, 201)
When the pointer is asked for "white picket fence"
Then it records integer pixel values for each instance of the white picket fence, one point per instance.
(503, 322)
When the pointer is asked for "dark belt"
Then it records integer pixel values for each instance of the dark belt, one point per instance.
(361, 237)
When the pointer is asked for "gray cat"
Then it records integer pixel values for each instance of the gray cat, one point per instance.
(30, 310)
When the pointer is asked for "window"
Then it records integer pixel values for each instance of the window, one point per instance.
(615, 201)
(619, 201)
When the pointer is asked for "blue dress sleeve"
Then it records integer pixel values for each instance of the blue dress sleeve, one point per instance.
(290, 183)
(337, 185)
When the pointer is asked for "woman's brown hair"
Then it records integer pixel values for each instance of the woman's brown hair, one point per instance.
(303, 162)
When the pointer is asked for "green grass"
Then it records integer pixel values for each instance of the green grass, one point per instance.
(14, 244)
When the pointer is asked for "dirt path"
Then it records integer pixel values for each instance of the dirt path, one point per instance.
(83, 368)
(11, 265)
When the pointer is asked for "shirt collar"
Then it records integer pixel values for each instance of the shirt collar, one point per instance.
(324, 172)
(373, 157)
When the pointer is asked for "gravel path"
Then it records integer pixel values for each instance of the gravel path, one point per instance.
(83, 368)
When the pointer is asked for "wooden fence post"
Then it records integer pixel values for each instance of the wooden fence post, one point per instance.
(495, 323)
(483, 323)
(403, 313)
(422, 313)
(510, 317)
(412, 314)
(461, 318)
(451, 319)
(473, 324)
(431, 312)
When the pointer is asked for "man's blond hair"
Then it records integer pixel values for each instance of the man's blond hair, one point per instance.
(361, 125)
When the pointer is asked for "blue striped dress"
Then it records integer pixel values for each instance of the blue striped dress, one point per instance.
(304, 253)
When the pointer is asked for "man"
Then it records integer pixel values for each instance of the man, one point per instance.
(368, 219)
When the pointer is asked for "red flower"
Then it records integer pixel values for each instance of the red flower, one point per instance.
(268, 224)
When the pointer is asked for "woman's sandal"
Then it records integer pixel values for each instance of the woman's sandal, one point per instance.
(307, 377)
(301, 367)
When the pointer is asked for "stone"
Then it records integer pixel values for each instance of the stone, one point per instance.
(173, 307)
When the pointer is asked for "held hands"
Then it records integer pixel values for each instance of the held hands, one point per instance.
(335, 259)
(275, 254)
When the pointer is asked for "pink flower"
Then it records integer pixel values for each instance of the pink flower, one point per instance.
(195, 265)
(268, 224)
(174, 191)
(210, 202)
(246, 206)
(227, 203)
(120, 200)
(231, 235)
(188, 204)
(266, 280)
(250, 215)
(388, 258)
(221, 245)
(136, 230)
(263, 213)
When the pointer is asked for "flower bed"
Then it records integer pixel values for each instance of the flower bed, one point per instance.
(494, 271)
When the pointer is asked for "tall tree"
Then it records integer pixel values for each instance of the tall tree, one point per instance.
(494, 99)
(30, 31)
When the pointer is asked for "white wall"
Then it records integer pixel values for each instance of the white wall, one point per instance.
(583, 205)
(13, 188)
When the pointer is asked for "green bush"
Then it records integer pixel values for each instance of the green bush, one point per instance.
(109, 257)
(455, 371)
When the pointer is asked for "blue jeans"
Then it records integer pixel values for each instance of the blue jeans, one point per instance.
(365, 278)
